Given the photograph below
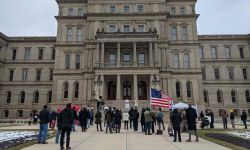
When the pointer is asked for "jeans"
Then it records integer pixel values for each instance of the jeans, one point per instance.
(147, 127)
(161, 123)
(245, 123)
(66, 130)
(225, 123)
(125, 125)
(130, 123)
(43, 133)
(135, 124)
(73, 127)
(58, 133)
(109, 126)
(88, 123)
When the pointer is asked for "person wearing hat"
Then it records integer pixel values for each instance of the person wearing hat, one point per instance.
(44, 117)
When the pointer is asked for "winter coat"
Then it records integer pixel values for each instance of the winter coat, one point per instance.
(118, 118)
(142, 118)
(159, 116)
(66, 118)
(231, 116)
(83, 116)
(125, 116)
(75, 114)
(148, 116)
(191, 117)
(44, 116)
(176, 120)
(135, 115)
(224, 116)
(98, 117)
(109, 116)
(131, 114)
(243, 116)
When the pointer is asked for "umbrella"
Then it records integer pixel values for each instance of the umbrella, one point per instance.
(180, 105)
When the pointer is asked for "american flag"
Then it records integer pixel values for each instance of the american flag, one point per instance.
(157, 98)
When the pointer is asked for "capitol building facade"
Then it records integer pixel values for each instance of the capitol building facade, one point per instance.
(116, 50)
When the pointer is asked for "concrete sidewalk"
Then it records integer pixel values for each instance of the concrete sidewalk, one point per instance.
(126, 140)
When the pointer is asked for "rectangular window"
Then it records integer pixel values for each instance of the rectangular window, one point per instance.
(126, 9)
(80, 12)
(6, 113)
(241, 52)
(126, 59)
(40, 53)
(228, 52)
(20, 113)
(201, 51)
(70, 12)
(78, 61)
(186, 61)
(244, 71)
(67, 61)
(22, 97)
(141, 59)
(217, 73)
(14, 54)
(8, 100)
(53, 53)
(140, 28)
(112, 59)
(11, 75)
(51, 74)
(24, 74)
(126, 28)
(182, 10)
(27, 54)
(203, 71)
(231, 73)
(184, 33)
(213, 52)
(176, 61)
(174, 33)
(79, 34)
(38, 75)
(111, 28)
(173, 11)
(69, 34)
(49, 96)
(140, 8)
(112, 9)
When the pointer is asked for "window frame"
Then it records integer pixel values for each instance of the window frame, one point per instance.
(174, 33)
(140, 8)
(70, 11)
(214, 53)
(126, 8)
(79, 34)
(38, 74)
(140, 28)
(186, 60)
(40, 53)
(112, 9)
(69, 34)
(67, 61)
(8, 97)
(184, 33)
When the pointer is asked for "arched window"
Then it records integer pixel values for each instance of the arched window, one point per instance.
(234, 96)
(219, 96)
(66, 90)
(111, 90)
(178, 89)
(126, 90)
(8, 99)
(22, 97)
(6, 113)
(142, 90)
(49, 97)
(189, 89)
(36, 97)
(76, 90)
(205, 94)
(247, 93)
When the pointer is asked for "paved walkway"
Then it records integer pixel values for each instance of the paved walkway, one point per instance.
(126, 140)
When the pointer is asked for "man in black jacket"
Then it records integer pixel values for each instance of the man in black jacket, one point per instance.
(66, 120)
(244, 118)
(44, 117)
(191, 116)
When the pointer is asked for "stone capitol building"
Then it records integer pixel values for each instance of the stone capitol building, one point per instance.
(116, 50)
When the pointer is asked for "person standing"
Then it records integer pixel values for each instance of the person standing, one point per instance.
(148, 121)
(176, 121)
(135, 117)
(59, 126)
(66, 119)
(98, 120)
(125, 119)
(82, 117)
(224, 119)
(159, 118)
(211, 114)
(118, 118)
(75, 118)
(109, 119)
(243, 118)
(153, 121)
(53, 116)
(91, 117)
(35, 117)
(44, 117)
(191, 116)
(232, 118)
(143, 120)
(131, 117)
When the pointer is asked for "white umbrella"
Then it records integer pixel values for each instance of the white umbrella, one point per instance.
(180, 105)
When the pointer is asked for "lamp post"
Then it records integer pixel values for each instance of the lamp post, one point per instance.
(155, 81)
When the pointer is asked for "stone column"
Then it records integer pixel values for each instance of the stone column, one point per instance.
(135, 87)
(102, 87)
(96, 55)
(156, 57)
(134, 54)
(102, 54)
(118, 55)
(151, 54)
(118, 87)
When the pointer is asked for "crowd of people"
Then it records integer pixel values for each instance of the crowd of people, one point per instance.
(180, 121)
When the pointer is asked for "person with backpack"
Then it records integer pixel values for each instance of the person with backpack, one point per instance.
(243, 117)
(109, 120)
(176, 121)
(148, 121)
(159, 119)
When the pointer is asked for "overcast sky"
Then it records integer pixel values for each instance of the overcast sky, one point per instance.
(36, 17)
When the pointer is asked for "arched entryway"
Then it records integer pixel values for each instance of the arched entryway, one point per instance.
(127, 89)
(142, 90)
(111, 95)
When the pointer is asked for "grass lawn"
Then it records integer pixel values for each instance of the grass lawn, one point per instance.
(51, 134)
(202, 134)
